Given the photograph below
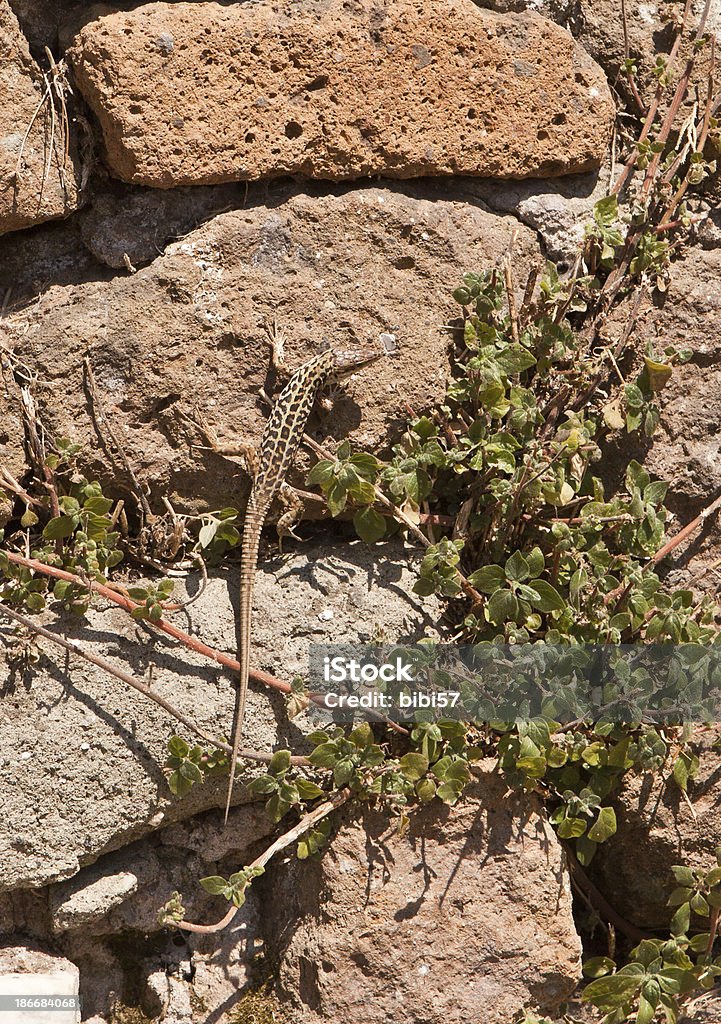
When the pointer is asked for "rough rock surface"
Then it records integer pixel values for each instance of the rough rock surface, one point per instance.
(39, 21)
(471, 908)
(559, 209)
(37, 170)
(189, 328)
(81, 755)
(203, 93)
(650, 28)
(13, 458)
(688, 447)
(34, 260)
(654, 818)
(132, 225)
(104, 920)
(647, 28)
(685, 449)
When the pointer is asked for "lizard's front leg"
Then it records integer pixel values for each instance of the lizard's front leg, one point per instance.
(247, 452)
(276, 339)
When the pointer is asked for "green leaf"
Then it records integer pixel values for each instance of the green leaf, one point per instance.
(58, 528)
(680, 772)
(276, 807)
(363, 492)
(343, 771)
(658, 374)
(190, 772)
(611, 992)
(598, 966)
(699, 905)
(318, 737)
(325, 755)
(502, 607)
(684, 875)
(337, 498)
(449, 792)
(61, 589)
(604, 826)
(178, 784)
(178, 747)
(98, 505)
(536, 562)
(655, 492)
(215, 885)
(425, 790)
(585, 850)
(369, 524)
(322, 473)
(646, 1012)
(681, 920)
(279, 762)
(264, 785)
(362, 736)
(414, 766)
(207, 533)
(682, 894)
(69, 504)
(605, 211)
(516, 567)
(513, 359)
(488, 578)
(548, 600)
(308, 790)
(571, 828)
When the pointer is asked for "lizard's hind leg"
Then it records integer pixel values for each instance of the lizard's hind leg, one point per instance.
(293, 505)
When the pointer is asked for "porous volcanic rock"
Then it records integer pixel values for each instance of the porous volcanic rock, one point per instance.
(199, 93)
(465, 917)
(37, 168)
(186, 334)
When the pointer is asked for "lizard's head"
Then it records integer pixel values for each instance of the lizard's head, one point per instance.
(347, 361)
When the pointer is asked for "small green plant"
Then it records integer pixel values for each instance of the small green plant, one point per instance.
(282, 792)
(188, 765)
(661, 974)
(233, 888)
(217, 533)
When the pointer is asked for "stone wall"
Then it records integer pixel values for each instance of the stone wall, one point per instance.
(174, 177)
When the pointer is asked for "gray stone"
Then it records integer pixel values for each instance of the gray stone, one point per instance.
(28, 970)
(82, 756)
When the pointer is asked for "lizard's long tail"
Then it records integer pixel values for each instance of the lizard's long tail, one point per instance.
(248, 564)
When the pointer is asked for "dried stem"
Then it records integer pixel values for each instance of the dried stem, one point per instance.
(127, 603)
(306, 822)
(104, 425)
(125, 677)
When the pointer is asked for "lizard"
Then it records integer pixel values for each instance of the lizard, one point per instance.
(269, 467)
